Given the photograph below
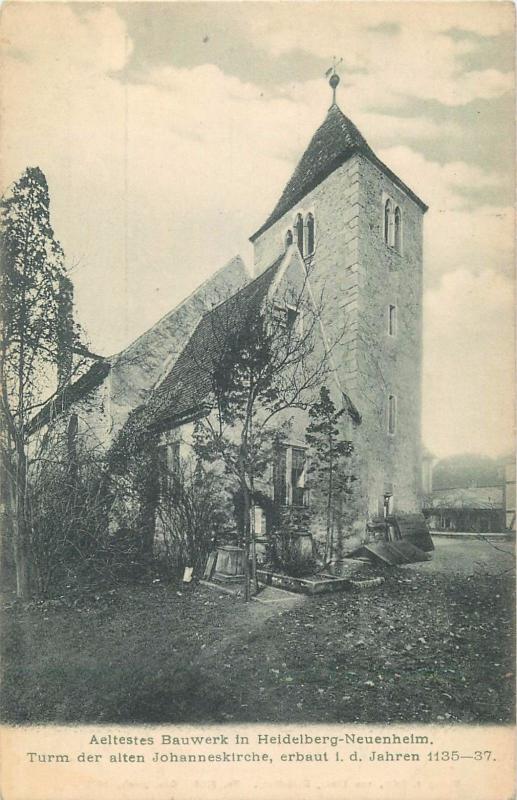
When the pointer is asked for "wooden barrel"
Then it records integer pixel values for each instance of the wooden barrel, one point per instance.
(230, 563)
(302, 543)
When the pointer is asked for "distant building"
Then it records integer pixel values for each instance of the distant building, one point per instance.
(478, 510)
(467, 507)
(509, 492)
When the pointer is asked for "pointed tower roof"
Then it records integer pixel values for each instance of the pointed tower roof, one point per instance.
(335, 141)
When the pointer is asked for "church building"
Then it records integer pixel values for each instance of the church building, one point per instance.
(356, 228)
(346, 220)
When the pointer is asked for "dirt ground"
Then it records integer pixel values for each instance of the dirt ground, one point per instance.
(468, 556)
(433, 643)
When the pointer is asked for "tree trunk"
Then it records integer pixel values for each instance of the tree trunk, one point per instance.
(147, 519)
(247, 576)
(247, 526)
(328, 555)
(23, 583)
(21, 538)
(253, 540)
(252, 515)
(147, 528)
(7, 501)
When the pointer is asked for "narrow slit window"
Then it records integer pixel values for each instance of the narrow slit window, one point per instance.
(392, 414)
(289, 238)
(299, 233)
(292, 316)
(310, 234)
(392, 320)
(388, 213)
(398, 229)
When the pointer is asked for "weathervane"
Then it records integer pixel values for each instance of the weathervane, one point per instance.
(334, 77)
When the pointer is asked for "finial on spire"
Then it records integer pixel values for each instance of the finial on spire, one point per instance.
(334, 79)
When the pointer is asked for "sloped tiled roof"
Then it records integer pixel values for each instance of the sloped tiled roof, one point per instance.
(136, 369)
(148, 343)
(189, 383)
(70, 394)
(335, 141)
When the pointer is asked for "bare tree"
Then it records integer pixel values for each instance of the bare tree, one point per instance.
(65, 512)
(193, 512)
(267, 356)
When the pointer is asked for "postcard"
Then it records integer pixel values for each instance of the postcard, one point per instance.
(258, 461)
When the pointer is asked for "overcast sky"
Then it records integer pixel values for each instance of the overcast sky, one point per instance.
(167, 132)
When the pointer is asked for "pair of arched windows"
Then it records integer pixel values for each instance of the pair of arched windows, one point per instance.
(304, 234)
(392, 225)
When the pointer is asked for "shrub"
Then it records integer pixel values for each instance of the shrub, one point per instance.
(72, 548)
(286, 556)
(193, 513)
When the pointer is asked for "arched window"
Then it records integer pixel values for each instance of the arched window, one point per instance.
(299, 233)
(388, 222)
(288, 238)
(310, 234)
(398, 230)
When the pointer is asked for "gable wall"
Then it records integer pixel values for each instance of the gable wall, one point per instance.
(335, 204)
(140, 366)
(135, 371)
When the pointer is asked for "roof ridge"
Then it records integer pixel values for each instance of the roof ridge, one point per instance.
(247, 286)
(186, 384)
(177, 307)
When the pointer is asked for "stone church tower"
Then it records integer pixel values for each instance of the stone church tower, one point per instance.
(360, 227)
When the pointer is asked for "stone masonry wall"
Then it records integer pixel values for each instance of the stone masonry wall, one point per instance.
(103, 411)
(389, 364)
(335, 204)
(136, 370)
(359, 276)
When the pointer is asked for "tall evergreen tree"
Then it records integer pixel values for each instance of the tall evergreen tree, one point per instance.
(36, 310)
